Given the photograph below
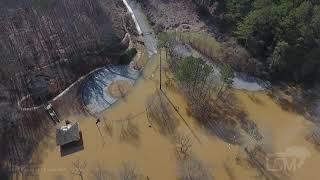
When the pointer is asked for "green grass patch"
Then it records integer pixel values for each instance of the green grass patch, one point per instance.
(201, 41)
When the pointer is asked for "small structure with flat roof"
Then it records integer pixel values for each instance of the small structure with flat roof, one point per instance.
(69, 138)
(68, 134)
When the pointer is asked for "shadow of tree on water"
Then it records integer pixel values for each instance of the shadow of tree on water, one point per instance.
(224, 118)
(258, 159)
(300, 100)
(193, 168)
(161, 114)
(129, 132)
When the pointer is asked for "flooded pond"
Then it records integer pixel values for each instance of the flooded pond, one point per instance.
(95, 92)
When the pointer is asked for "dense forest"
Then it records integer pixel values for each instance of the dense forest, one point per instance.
(38, 32)
(45, 45)
(282, 34)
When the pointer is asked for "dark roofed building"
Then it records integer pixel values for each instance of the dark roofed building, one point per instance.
(68, 134)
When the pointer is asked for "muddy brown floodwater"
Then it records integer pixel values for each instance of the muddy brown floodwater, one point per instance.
(154, 154)
(119, 88)
(282, 130)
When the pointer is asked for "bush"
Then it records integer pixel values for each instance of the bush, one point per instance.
(192, 71)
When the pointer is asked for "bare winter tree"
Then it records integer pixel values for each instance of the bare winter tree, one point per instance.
(193, 169)
(183, 146)
(108, 127)
(161, 113)
(40, 38)
(257, 157)
(128, 172)
(314, 136)
(99, 173)
(78, 168)
(19, 132)
(129, 131)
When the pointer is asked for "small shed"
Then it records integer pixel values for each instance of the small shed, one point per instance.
(68, 134)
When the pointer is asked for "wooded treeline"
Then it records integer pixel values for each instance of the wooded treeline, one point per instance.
(50, 43)
(283, 34)
(37, 32)
(58, 39)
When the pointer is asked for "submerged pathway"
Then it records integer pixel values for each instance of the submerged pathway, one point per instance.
(142, 26)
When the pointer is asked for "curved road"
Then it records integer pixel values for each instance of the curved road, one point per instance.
(142, 26)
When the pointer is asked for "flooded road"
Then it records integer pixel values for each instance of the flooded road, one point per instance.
(147, 32)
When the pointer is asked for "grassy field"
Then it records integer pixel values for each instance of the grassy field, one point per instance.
(200, 41)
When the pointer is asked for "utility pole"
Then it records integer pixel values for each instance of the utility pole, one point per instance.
(160, 71)
(97, 122)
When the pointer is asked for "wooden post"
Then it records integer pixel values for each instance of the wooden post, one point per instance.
(103, 143)
(160, 71)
